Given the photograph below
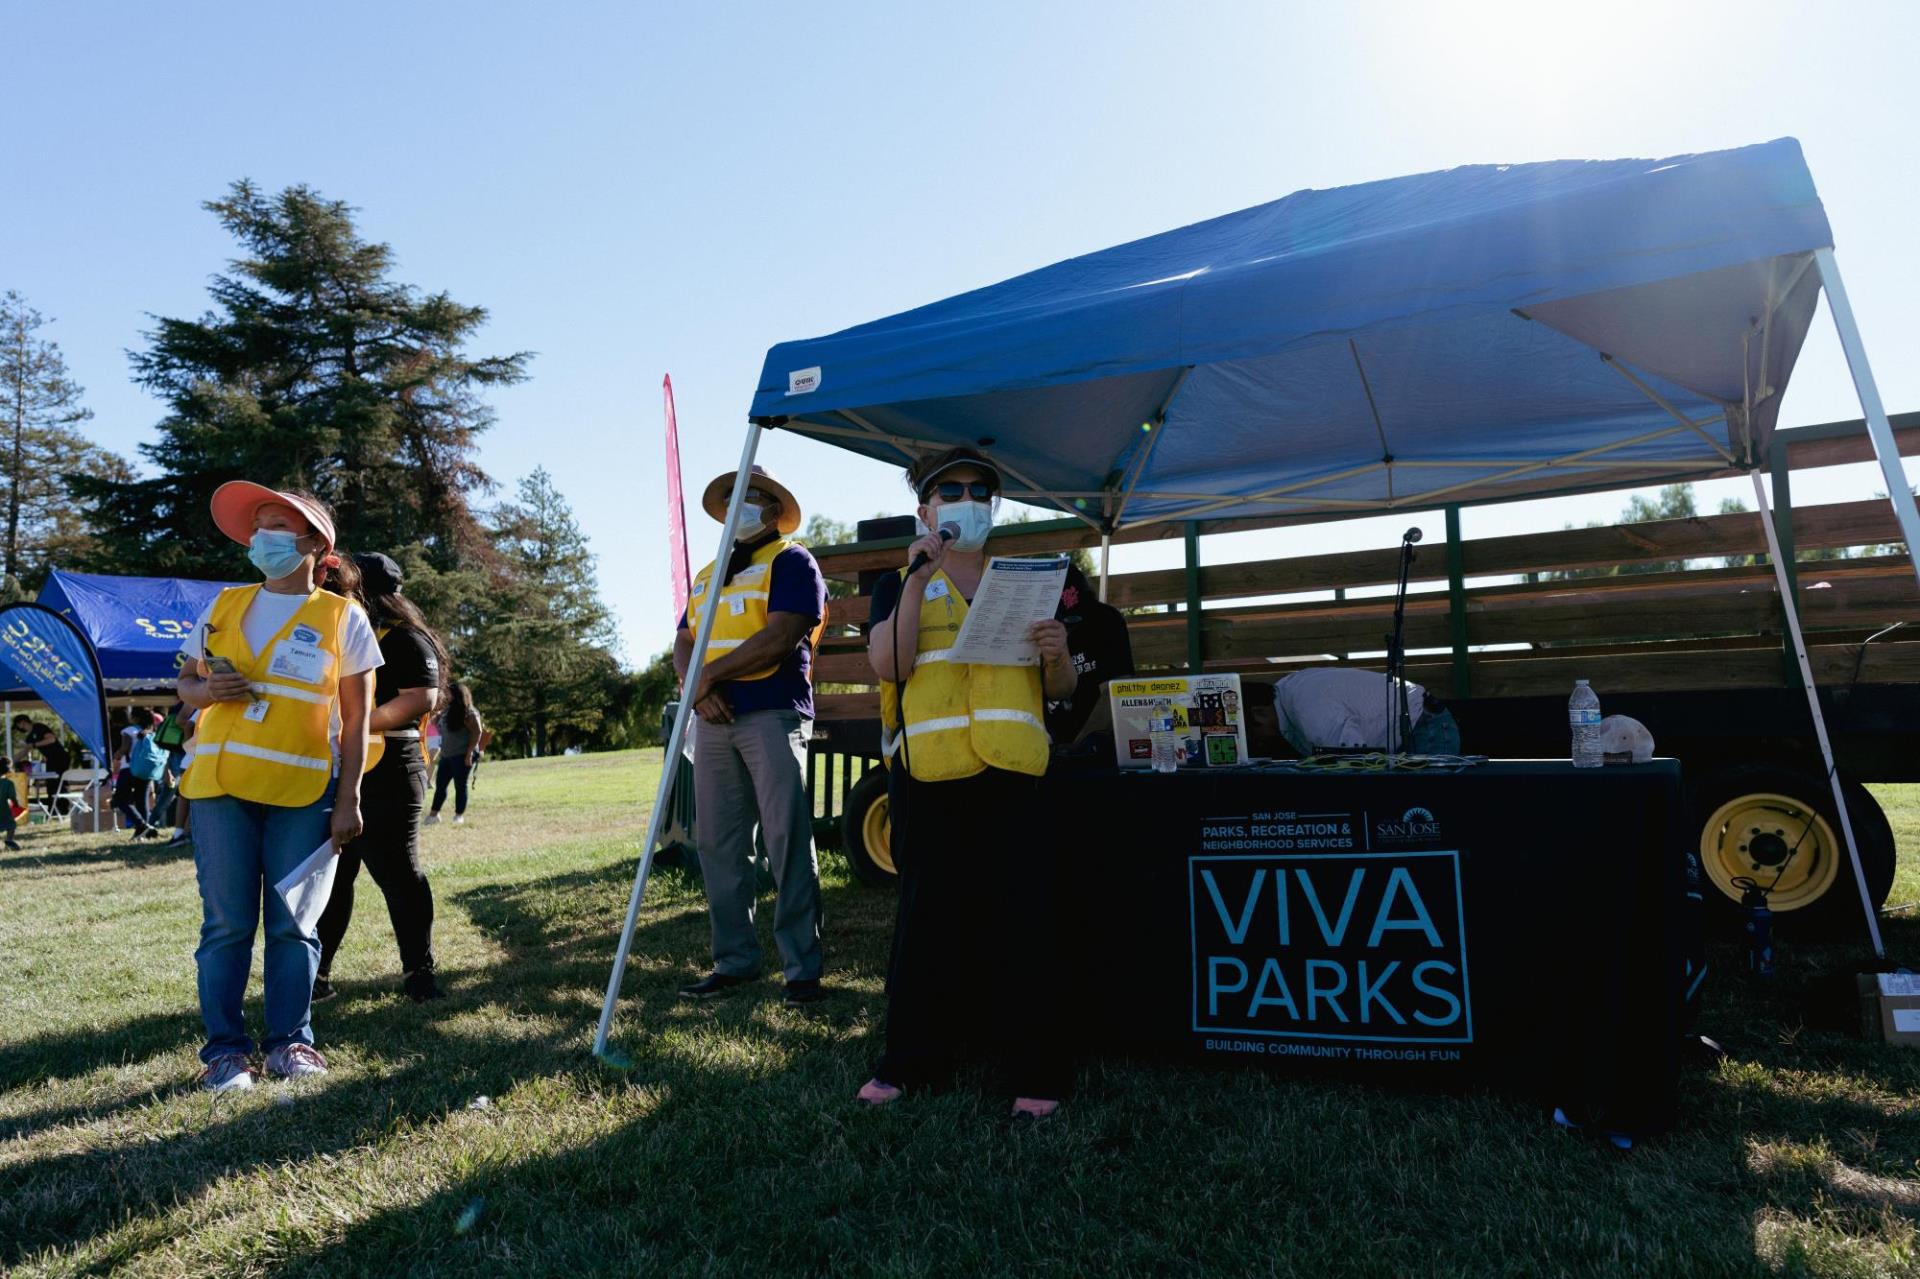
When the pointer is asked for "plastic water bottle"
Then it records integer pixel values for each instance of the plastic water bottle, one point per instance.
(1583, 717)
(1166, 746)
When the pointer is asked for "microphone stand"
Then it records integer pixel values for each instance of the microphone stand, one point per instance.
(1398, 711)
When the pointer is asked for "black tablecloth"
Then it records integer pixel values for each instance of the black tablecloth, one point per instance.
(1519, 924)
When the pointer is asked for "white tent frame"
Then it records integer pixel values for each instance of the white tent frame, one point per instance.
(1879, 431)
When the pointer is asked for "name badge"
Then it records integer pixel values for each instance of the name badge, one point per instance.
(257, 711)
(736, 607)
(936, 588)
(299, 663)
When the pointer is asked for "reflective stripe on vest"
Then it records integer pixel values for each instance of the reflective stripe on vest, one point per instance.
(742, 605)
(962, 718)
(284, 755)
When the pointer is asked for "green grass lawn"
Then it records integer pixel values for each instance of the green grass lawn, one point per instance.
(478, 1135)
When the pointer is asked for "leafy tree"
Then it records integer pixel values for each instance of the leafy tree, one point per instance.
(40, 450)
(540, 649)
(315, 368)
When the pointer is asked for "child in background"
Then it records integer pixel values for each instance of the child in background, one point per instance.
(130, 799)
(9, 801)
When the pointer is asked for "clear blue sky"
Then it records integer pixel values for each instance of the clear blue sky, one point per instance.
(639, 189)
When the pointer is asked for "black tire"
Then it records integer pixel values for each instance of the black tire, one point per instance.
(1790, 811)
(866, 831)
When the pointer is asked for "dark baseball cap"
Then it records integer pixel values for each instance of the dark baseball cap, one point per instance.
(379, 574)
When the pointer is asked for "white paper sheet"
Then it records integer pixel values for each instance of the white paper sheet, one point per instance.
(307, 886)
(1013, 595)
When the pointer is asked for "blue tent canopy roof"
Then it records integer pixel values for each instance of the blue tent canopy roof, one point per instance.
(1491, 330)
(135, 624)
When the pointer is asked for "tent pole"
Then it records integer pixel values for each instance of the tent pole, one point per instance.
(670, 761)
(1878, 428)
(1106, 562)
(1792, 611)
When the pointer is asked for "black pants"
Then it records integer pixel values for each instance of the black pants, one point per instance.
(391, 797)
(974, 972)
(453, 769)
(130, 801)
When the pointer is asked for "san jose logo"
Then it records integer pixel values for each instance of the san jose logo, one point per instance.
(306, 635)
(1331, 946)
(1416, 825)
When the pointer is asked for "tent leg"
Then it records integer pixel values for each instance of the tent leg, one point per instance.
(1879, 430)
(1106, 562)
(671, 759)
(1792, 612)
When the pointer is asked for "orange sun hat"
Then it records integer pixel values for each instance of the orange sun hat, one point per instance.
(236, 501)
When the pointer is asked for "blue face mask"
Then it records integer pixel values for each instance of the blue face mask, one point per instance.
(274, 553)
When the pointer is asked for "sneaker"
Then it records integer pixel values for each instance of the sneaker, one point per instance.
(712, 984)
(323, 990)
(230, 1073)
(421, 986)
(13, 845)
(459, 819)
(433, 819)
(179, 837)
(295, 1061)
(805, 991)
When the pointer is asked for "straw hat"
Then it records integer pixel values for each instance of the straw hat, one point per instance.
(235, 502)
(714, 500)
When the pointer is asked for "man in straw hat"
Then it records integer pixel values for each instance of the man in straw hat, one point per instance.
(755, 702)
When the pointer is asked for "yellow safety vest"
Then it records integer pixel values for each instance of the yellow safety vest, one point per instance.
(743, 605)
(278, 748)
(962, 719)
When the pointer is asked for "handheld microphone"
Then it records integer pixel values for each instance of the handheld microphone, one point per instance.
(1412, 535)
(948, 532)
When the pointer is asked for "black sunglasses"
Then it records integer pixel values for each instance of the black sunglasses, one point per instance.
(955, 490)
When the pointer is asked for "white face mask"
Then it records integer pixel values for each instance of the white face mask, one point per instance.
(974, 519)
(753, 522)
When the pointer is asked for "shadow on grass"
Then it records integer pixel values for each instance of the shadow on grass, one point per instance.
(110, 851)
(556, 954)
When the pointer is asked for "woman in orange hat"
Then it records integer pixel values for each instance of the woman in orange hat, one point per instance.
(283, 675)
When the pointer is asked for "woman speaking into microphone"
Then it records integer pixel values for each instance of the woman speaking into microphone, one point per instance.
(968, 745)
(282, 673)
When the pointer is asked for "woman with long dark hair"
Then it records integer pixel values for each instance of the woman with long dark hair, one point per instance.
(408, 687)
(283, 675)
(460, 730)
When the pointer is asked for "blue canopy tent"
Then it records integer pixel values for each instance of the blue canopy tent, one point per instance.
(135, 624)
(1476, 334)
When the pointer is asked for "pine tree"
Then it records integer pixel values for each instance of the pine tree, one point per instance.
(39, 524)
(315, 369)
(541, 655)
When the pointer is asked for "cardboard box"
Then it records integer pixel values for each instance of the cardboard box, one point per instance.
(1890, 1007)
(1208, 713)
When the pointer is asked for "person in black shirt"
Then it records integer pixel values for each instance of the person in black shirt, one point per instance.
(1097, 641)
(408, 687)
(35, 736)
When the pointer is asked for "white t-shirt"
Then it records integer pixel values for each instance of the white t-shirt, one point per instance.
(359, 647)
(1340, 706)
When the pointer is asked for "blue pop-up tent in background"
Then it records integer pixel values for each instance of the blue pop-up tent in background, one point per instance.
(89, 636)
(135, 624)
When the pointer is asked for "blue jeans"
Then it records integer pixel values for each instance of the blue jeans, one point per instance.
(240, 850)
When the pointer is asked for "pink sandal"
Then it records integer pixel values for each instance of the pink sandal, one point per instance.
(875, 1093)
(1033, 1107)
